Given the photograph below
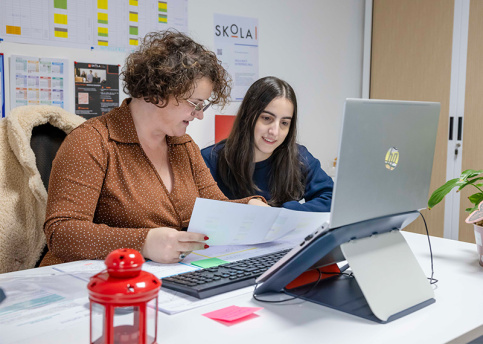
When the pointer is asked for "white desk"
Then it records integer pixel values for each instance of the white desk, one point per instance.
(457, 315)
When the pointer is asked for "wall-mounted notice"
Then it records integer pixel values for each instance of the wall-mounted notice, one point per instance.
(104, 24)
(2, 85)
(236, 45)
(125, 23)
(38, 81)
(96, 88)
(66, 23)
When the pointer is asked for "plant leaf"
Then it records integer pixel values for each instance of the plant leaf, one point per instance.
(476, 198)
(470, 174)
(462, 183)
(472, 181)
(470, 210)
(438, 194)
(469, 182)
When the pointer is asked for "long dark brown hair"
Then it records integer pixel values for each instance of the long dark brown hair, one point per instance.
(235, 160)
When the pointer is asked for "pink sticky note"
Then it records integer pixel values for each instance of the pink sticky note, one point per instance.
(234, 322)
(231, 313)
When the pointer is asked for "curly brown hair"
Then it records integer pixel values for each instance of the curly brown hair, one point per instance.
(168, 63)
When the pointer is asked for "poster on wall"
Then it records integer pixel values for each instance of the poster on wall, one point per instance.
(96, 88)
(2, 86)
(38, 81)
(89, 24)
(236, 46)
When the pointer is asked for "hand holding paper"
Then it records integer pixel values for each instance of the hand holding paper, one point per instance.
(229, 223)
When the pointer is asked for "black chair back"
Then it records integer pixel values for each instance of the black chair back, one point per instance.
(46, 140)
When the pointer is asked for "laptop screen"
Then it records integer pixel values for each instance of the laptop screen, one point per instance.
(385, 159)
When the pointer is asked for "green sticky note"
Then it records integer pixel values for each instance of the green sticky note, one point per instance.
(208, 263)
(62, 4)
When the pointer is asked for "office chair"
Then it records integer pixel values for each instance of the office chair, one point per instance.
(46, 140)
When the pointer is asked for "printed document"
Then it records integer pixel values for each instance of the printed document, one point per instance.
(227, 223)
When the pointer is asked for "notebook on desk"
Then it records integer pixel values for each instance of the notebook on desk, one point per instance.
(382, 181)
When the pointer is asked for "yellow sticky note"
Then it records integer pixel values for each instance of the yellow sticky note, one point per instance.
(133, 41)
(102, 4)
(60, 18)
(133, 2)
(133, 16)
(14, 30)
(59, 33)
(101, 16)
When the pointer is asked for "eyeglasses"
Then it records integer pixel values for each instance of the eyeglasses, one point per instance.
(205, 104)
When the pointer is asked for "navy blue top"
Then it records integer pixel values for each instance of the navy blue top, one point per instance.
(318, 185)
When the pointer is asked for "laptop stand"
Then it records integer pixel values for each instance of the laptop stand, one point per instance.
(387, 281)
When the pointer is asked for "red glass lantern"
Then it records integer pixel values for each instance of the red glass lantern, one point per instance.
(123, 301)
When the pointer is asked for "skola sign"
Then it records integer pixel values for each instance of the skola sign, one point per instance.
(233, 31)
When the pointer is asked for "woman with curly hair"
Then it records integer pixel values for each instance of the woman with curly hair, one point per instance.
(130, 178)
(261, 155)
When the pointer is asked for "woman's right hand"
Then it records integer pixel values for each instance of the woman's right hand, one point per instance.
(258, 202)
(165, 245)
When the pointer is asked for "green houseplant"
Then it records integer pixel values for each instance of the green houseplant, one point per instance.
(475, 179)
(468, 177)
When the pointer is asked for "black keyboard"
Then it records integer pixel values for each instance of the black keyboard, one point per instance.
(222, 278)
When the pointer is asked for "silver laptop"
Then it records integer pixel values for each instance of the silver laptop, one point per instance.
(385, 159)
(383, 174)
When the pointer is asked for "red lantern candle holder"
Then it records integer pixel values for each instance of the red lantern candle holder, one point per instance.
(123, 301)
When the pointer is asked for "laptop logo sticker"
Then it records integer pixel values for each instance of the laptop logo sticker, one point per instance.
(392, 158)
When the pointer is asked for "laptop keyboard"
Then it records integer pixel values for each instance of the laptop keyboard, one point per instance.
(222, 278)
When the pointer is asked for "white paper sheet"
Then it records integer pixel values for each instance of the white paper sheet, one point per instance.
(227, 223)
(38, 304)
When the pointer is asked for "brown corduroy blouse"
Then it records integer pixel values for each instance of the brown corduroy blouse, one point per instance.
(104, 192)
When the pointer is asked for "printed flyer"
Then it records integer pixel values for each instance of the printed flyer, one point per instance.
(96, 88)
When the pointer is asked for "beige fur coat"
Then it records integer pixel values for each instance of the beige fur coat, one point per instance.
(23, 197)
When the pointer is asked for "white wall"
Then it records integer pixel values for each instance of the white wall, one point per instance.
(315, 45)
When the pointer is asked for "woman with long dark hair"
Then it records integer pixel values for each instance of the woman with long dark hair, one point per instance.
(261, 155)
